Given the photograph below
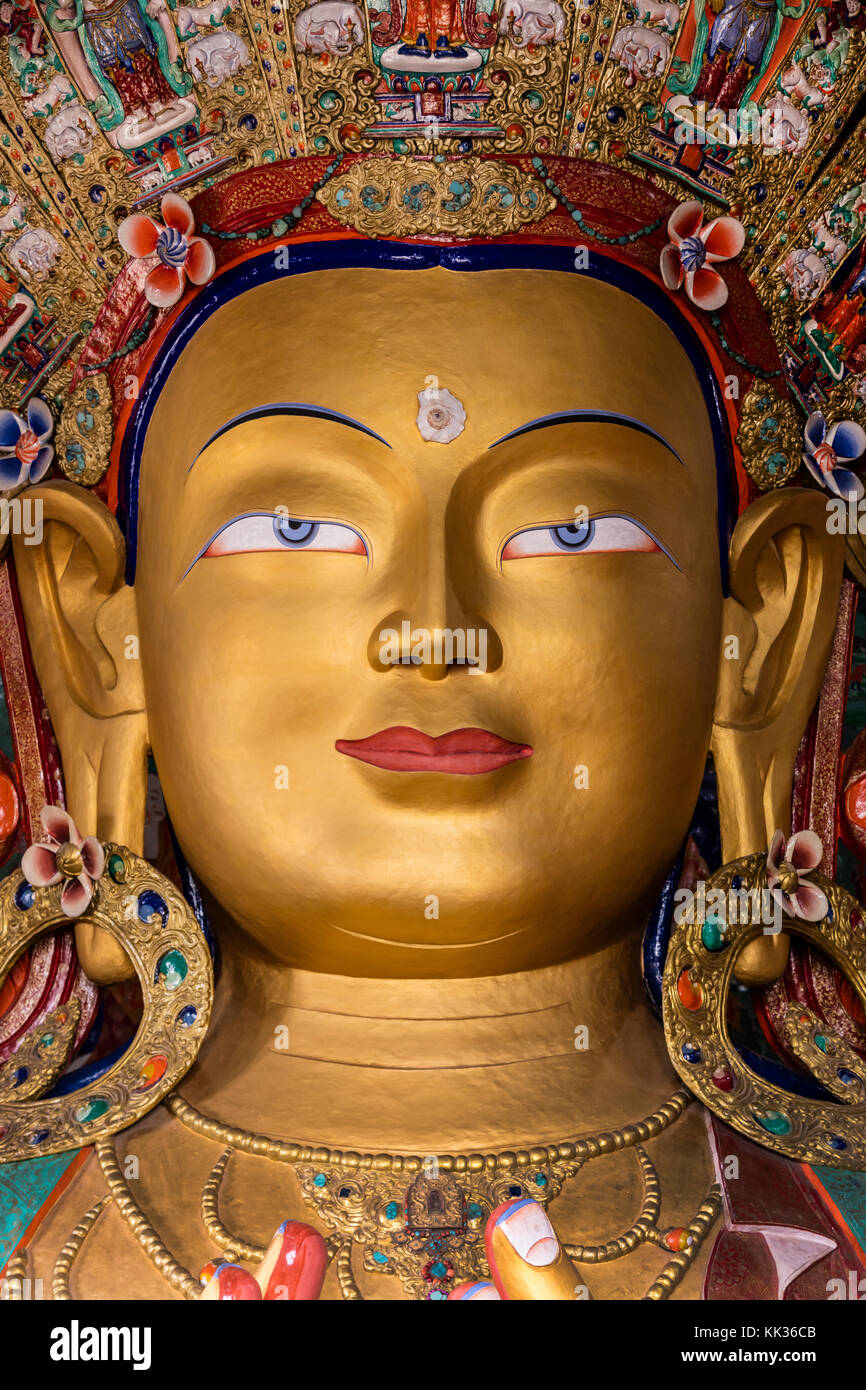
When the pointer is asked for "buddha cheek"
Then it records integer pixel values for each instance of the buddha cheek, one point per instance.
(621, 721)
(247, 689)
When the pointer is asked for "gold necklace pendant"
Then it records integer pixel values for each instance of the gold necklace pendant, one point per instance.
(429, 1233)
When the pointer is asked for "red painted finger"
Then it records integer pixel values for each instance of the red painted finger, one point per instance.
(295, 1263)
(228, 1283)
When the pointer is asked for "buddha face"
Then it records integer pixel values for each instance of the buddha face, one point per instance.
(295, 567)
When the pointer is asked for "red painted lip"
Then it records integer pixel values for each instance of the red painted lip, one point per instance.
(464, 751)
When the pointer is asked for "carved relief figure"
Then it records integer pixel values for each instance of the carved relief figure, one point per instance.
(125, 60)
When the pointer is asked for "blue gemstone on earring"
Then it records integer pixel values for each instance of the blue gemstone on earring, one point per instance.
(380, 1258)
(829, 916)
(39, 1136)
(24, 896)
(847, 1076)
(319, 1180)
(21, 1074)
(515, 1191)
(188, 1015)
(691, 1053)
(836, 1142)
(151, 905)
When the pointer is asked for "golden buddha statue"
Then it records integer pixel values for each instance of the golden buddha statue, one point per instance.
(430, 780)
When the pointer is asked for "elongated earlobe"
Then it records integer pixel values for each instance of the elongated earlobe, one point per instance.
(778, 623)
(82, 626)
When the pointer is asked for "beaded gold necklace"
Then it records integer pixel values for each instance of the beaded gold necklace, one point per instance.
(381, 1203)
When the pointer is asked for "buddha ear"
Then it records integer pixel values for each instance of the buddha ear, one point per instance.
(83, 631)
(777, 629)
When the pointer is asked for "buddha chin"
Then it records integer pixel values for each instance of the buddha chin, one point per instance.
(294, 720)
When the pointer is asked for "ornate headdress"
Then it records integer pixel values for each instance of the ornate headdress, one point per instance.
(433, 119)
(708, 154)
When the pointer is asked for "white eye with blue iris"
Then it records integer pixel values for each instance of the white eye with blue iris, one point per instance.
(603, 534)
(292, 531)
(574, 536)
(261, 531)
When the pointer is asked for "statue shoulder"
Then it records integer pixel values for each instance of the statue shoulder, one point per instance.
(139, 1199)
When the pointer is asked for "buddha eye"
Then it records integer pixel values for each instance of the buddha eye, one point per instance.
(260, 531)
(604, 533)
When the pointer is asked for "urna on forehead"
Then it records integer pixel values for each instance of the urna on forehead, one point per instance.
(366, 331)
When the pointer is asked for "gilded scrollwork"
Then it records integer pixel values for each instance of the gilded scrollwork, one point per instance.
(529, 88)
(430, 1221)
(459, 197)
(828, 1057)
(770, 437)
(41, 1056)
(86, 430)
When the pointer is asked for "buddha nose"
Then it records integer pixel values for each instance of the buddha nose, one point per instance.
(436, 633)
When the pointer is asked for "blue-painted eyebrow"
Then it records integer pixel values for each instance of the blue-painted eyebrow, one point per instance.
(316, 412)
(569, 417)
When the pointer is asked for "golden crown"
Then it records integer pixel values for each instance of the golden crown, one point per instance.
(752, 108)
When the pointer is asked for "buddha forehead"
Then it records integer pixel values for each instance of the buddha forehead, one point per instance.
(509, 345)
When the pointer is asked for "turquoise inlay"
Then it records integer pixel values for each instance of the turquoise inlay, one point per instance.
(24, 1187)
(848, 1191)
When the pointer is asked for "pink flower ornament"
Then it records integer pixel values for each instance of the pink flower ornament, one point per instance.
(66, 858)
(181, 255)
(826, 451)
(692, 251)
(788, 866)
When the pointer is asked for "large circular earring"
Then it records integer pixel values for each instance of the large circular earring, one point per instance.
(144, 911)
(740, 902)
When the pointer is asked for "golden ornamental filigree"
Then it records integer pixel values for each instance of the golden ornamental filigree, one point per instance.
(427, 1230)
(334, 89)
(770, 437)
(828, 1057)
(529, 86)
(142, 910)
(86, 430)
(40, 1058)
(701, 962)
(635, 69)
(462, 198)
